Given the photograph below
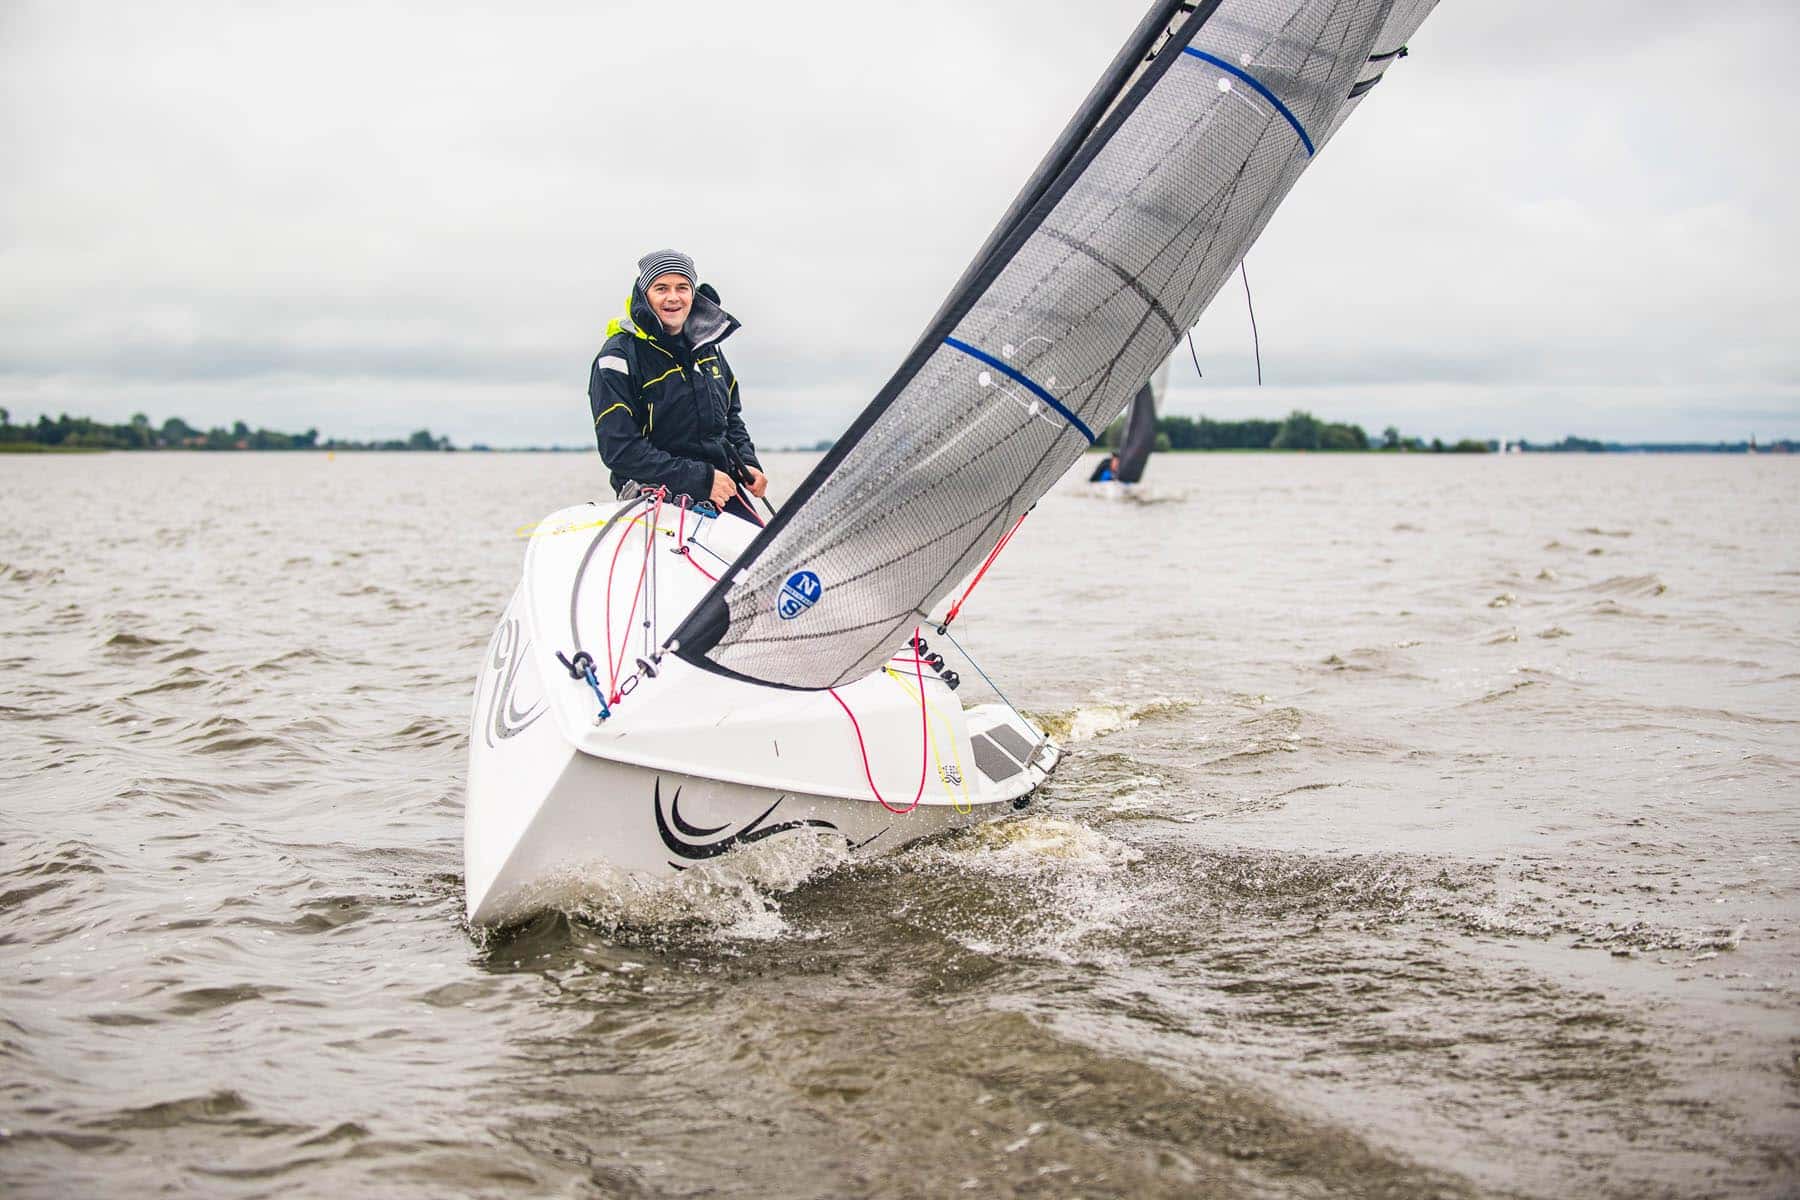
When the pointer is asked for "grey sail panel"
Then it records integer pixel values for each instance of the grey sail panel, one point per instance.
(1080, 302)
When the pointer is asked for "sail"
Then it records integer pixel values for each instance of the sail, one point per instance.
(1155, 192)
(1140, 428)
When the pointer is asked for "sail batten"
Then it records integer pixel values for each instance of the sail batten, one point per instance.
(1131, 225)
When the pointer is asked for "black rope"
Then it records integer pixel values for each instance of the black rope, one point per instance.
(1255, 340)
(1195, 354)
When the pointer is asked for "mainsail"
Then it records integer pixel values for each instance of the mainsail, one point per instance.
(1139, 214)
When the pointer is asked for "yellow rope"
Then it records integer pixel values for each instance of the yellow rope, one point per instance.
(536, 528)
(961, 804)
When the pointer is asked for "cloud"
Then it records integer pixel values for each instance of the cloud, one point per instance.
(370, 218)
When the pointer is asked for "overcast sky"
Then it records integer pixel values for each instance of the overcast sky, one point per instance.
(1551, 218)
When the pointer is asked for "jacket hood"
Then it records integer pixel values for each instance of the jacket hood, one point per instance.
(707, 323)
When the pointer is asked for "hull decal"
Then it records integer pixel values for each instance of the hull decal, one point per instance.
(755, 831)
(681, 826)
(855, 846)
(505, 720)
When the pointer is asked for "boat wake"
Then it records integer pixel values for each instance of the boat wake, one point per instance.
(1072, 888)
(1030, 846)
(1090, 721)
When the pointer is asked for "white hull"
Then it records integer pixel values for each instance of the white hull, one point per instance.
(691, 766)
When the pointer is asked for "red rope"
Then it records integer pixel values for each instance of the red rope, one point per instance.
(612, 665)
(681, 546)
(992, 555)
(862, 747)
(749, 503)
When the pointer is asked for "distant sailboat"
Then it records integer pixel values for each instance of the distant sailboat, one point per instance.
(1124, 468)
(1140, 427)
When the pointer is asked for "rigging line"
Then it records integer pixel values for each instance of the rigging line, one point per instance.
(960, 649)
(1034, 388)
(992, 555)
(961, 804)
(612, 667)
(612, 569)
(581, 570)
(749, 502)
(924, 744)
(650, 532)
(685, 548)
(1255, 338)
(1262, 91)
(1195, 354)
(716, 555)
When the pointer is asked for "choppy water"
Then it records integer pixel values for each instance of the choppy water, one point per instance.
(1431, 829)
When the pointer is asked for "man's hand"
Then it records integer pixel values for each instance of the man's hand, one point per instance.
(759, 483)
(722, 490)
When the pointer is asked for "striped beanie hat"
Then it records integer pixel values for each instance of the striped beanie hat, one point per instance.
(664, 262)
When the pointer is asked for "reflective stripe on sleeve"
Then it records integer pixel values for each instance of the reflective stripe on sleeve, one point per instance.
(612, 362)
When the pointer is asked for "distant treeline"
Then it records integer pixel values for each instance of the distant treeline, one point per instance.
(81, 433)
(1300, 431)
(1303, 431)
(1575, 445)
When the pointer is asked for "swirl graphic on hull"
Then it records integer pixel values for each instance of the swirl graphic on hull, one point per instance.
(504, 720)
(676, 838)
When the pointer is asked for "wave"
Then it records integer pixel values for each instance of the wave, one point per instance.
(1089, 721)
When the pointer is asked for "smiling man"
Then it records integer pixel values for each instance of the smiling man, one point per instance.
(665, 402)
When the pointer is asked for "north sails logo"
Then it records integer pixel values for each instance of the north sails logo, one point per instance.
(677, 839)
(801, 591)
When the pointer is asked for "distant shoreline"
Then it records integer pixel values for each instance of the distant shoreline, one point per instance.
(1300, 432)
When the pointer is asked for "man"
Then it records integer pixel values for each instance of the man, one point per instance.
(665, 402)
(1107, 471)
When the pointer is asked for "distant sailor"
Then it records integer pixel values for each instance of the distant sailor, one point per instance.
(1107, 471)
(665, 402)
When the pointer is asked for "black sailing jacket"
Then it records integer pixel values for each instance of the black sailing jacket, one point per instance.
(666, 408)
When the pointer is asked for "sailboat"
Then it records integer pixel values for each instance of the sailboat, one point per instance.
(669, 686)
(1121, 472)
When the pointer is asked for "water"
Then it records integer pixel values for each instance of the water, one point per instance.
(1430, 829)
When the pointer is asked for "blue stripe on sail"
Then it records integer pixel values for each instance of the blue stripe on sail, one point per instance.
(1035, 390)
(1262, 91)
